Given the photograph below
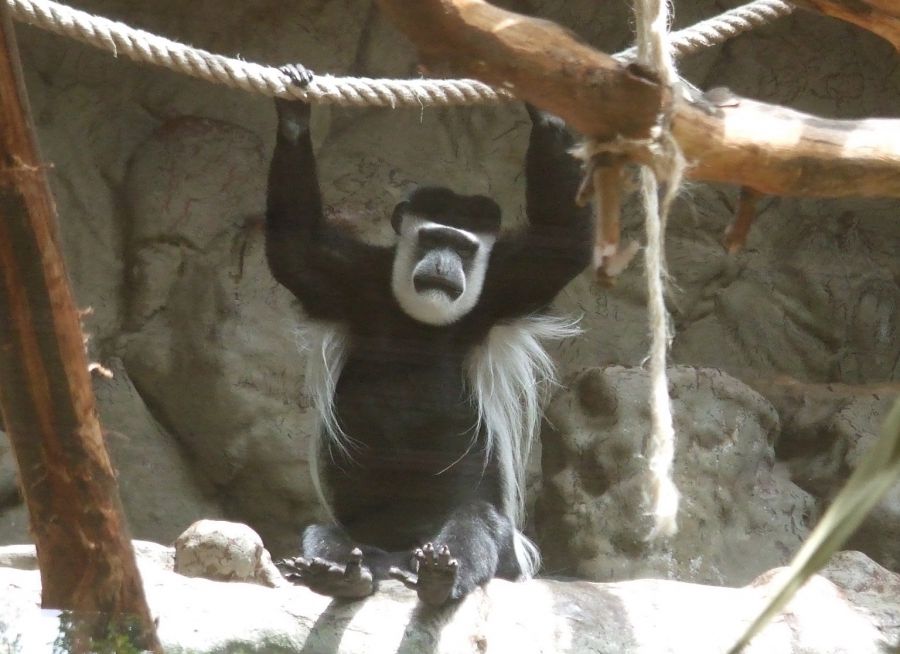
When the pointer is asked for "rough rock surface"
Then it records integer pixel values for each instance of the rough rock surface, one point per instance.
(159, 179)
(9, 494)
(162, 490)
(826, 431)
(859, 615)
(873, 588)
(207, 316)
(225, 551)
(739, 514)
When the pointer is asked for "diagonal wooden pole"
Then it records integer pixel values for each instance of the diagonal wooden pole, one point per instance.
(86, 558)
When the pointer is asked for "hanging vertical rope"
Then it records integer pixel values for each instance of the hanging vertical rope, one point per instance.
(652, 18)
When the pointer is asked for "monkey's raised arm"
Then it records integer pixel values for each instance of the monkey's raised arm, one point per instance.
(331, 273)
(528, 271)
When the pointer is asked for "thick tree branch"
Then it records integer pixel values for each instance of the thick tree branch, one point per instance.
(537, 60)
(881, 17)
(779, 151)
(770, 149)
(86, 557)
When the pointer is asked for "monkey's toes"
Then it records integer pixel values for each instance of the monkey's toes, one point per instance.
(352, 580)
(292, 568)
(437, 574)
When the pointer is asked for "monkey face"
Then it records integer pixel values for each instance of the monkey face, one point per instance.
(438, 270)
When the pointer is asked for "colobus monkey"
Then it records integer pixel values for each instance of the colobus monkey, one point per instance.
(426, 367)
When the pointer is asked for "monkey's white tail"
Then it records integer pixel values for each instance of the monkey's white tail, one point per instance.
(527, 554)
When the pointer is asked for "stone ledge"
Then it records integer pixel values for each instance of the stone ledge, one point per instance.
(640, 616)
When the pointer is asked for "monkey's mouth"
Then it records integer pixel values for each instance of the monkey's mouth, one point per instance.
(429, 282)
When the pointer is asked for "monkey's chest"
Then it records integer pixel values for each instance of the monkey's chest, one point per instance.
(416, 455)
(405, 414)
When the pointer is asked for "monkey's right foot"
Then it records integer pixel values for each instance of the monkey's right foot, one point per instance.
(351, 581)
(436, 576)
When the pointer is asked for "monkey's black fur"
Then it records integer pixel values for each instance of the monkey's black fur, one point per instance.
(414, 472)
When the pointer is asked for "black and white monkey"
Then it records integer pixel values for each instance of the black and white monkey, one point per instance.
(426, 369)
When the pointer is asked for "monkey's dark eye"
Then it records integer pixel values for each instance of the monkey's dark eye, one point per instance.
(431, 240)
(466, 249)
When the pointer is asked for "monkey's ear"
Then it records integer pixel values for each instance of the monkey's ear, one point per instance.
(397, 216)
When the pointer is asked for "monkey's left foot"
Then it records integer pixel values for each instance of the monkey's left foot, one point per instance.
(351, 581)
(436, 577)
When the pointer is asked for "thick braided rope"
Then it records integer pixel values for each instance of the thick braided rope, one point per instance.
(719, 29)
(120, 39)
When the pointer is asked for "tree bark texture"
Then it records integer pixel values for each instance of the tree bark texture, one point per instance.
(86, 558)
(725, 138)
(881, 17)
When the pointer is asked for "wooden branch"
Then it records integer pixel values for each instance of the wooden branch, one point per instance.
(770, 149)
(537, 60)
(610, 258)
(779, 151)
(735, 236)
(882, 17)
(86, 557)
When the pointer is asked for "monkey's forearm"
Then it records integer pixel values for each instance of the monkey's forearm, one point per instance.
(294, 203)
(552, 174)
(293, 118)
(558, 228)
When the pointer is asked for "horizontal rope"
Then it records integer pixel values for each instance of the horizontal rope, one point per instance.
(721, 28)
(120, 39)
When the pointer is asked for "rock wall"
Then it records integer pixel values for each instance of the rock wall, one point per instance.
(159, 181)
(739, 515)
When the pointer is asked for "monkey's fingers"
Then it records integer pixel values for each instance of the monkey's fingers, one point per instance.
(299, 75)
(405, 577)
(294, 114)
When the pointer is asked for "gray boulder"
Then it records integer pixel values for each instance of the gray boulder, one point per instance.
(739, 512)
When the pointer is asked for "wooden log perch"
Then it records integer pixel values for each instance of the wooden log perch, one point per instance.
(86, 558)
(881, 17)
(725, 138)
(537, 60)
